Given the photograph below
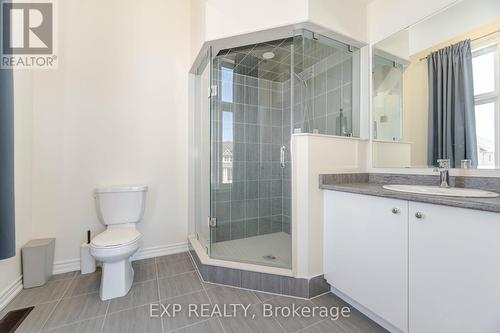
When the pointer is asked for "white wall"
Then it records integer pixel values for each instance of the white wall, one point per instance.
(386, 17)
(345, 17)
(397, 45)
(314, 155)
(226, 18)
(391, 154)
(455, 21)
(219, 20)
(115, 112)
(10, 269)
(197, 29)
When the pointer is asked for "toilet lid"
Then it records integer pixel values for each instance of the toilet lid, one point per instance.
(116, 237)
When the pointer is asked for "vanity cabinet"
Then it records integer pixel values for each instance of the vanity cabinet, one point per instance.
(454, 271)
(367, 252)
(425, 268)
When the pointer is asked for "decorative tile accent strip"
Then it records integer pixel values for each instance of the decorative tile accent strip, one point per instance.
(483, 183)
(343, 178)
(388, 178)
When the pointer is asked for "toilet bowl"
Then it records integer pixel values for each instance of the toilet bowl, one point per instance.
(120, 209)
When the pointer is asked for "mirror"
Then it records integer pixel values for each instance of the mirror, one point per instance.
(435, 90)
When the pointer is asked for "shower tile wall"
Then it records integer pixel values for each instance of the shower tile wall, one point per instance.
(327, 91)
(253, 202)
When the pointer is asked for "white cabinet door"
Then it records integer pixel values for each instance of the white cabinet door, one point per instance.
(454, 270)
(366, 249)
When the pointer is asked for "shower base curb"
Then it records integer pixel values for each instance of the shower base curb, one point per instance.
(255, 277)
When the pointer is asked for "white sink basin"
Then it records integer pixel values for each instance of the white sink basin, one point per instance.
(436, 190)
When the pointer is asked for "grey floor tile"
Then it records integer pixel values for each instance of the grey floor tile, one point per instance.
(326, 325)
(254, 321)
(356, 322)
(49, 292)
(63, 276)
(207, 326)
(36, 318)
(208, 285)
(140, 294)
(179, 285)
(144, 272)
(132, 321)
(359, 323)
(172, 257)
(78, 308)
(170, 268)
(227, 295)
(141, 262)
(184, 318)
(87, 326)
(81, 310)
(84, 284)
(329, 300)
(297, 323)
(263, 296)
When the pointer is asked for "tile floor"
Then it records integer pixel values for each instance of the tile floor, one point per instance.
(70, 303)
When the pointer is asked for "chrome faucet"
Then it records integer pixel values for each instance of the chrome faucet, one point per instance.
(444, 176)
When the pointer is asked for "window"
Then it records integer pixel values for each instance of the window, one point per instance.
(227, 147)
(485, 65)
(226, 84)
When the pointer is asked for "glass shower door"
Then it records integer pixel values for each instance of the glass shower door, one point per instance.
(250, 145)
(202, 151)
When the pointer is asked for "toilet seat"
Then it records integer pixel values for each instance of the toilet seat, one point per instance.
(116, 237)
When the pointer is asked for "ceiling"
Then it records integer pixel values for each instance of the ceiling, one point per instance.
(249, 59)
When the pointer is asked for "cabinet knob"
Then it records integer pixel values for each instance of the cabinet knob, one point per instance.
(419, 215)
(395, 210)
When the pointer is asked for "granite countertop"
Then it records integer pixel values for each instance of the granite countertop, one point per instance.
(372, 185)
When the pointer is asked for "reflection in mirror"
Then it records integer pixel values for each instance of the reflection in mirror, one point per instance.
(387, 97)
(436, 90)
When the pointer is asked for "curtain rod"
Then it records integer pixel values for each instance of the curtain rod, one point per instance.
(472, 40)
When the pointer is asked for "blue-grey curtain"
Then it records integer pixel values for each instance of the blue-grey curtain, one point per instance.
(7, 218)
(452, 122)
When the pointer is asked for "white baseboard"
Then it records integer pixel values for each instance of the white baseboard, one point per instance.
(65, 266)
(10, 292)
(162, 250)
(71, 265)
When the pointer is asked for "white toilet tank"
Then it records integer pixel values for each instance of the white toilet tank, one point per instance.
(120, 204)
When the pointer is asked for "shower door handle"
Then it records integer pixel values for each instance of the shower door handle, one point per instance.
(282, 156)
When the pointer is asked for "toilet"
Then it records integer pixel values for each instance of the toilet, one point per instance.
(120, 208)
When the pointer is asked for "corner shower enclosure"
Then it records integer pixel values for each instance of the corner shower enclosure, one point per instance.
(249, 102)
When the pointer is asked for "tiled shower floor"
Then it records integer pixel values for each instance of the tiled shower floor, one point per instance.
(70, 303)
(255, 249)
